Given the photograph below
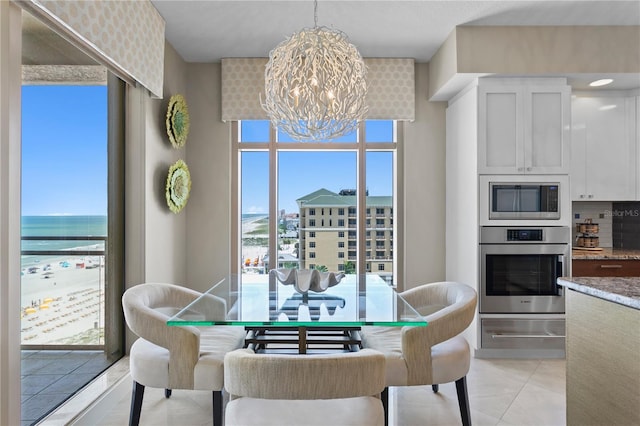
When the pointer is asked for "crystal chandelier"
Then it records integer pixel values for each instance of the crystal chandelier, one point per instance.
(315, 85)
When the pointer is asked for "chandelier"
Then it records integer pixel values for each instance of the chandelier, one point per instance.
(315, 85)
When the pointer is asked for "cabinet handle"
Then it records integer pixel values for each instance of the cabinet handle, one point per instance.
(520, 169)
(611, 266)
(581, 195)
(590, 195)
(529, 169)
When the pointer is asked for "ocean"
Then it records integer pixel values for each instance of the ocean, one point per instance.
(60, 226)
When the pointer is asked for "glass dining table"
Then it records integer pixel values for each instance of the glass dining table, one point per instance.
(279, 318)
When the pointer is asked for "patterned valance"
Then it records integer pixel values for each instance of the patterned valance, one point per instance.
(390, 84)
(125, 36)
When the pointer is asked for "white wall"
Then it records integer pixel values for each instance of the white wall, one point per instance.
(209, 158)
(462, 260)
(424, 182)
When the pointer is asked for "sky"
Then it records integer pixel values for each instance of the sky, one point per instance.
(64, 158)
(64, 150)
(301, 173)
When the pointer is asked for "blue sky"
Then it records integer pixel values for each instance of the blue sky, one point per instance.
(64, 158)
(64, 150)
(301, 173)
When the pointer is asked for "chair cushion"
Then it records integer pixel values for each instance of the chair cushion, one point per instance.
(365, 411)
(450, 359)
(149, 363)
(215, 342)
(388, 340)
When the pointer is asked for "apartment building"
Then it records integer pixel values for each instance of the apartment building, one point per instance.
(328, 232)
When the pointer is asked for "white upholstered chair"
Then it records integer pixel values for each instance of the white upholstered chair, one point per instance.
(335, 389)
(434, 354)
(175, 357)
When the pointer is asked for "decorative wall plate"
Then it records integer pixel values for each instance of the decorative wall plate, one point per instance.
(178, 186)
(177, 121)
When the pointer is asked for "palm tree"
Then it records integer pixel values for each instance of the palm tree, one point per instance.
(349, 267)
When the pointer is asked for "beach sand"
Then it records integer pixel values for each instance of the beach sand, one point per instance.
(60, 305)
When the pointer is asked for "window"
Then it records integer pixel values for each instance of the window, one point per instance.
(379, 243)
(312, 244)
(340, 255)
(312, 266)
(380, 211)
(341, 267)
(380, 266)
(380, 254)
(379, 234)
(361, 161)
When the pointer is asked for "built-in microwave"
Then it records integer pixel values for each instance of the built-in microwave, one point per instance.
(524, 200)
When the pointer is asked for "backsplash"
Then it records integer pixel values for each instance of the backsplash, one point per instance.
(626, 224)
(600, 212)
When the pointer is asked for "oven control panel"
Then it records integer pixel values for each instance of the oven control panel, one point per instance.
(524, 235)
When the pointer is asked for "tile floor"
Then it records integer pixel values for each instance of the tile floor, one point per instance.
(501, 393)
(51, 376)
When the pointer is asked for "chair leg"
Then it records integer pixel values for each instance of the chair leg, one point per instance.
(217, 408)
(385, 404)
(463, 401)
(167, 393)
(435, 388)
(136, 403)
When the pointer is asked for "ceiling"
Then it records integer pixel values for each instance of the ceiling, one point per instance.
(206, 31)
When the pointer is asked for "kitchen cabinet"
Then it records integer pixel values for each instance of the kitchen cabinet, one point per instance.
(605, 268)
(524, 126)
(603, 148)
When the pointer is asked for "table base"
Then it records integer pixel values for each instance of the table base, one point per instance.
(303, 339)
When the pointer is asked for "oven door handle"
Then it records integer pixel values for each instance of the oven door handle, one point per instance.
(526, 336)
(560, 272)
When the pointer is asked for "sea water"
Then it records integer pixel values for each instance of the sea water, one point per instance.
(60, 226)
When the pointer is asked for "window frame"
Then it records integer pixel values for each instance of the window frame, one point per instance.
(362, 148)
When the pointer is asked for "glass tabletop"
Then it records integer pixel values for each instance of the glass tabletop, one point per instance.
(256, 300)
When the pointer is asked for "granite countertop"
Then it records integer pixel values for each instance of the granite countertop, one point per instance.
(622, 290)
(606, 253)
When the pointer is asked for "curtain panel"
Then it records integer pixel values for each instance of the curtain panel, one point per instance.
(125, 36)
(390, 88)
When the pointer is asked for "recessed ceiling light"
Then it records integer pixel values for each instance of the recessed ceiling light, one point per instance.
(602, 82)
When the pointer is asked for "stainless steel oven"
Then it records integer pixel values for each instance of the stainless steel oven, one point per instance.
(519, 268)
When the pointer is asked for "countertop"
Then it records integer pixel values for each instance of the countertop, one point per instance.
(606, 253)
(622, 290)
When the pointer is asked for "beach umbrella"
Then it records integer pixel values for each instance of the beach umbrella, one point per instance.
(47, 300)
(44, 306)
(30, 311)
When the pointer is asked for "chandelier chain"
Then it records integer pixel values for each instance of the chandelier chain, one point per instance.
(315, 13)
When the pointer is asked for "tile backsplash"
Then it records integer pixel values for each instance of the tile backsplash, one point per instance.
(626, 224)
(599, 212)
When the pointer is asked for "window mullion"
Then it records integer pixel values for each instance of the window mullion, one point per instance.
(273, 199)
(362, 201)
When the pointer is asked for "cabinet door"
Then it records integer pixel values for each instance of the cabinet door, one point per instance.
(604, 130)
(500, 148)
(547, 132)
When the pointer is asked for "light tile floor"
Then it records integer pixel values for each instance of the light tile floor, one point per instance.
(501, 393)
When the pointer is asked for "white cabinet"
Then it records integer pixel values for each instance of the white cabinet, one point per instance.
(603, 147)
(524, 128)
